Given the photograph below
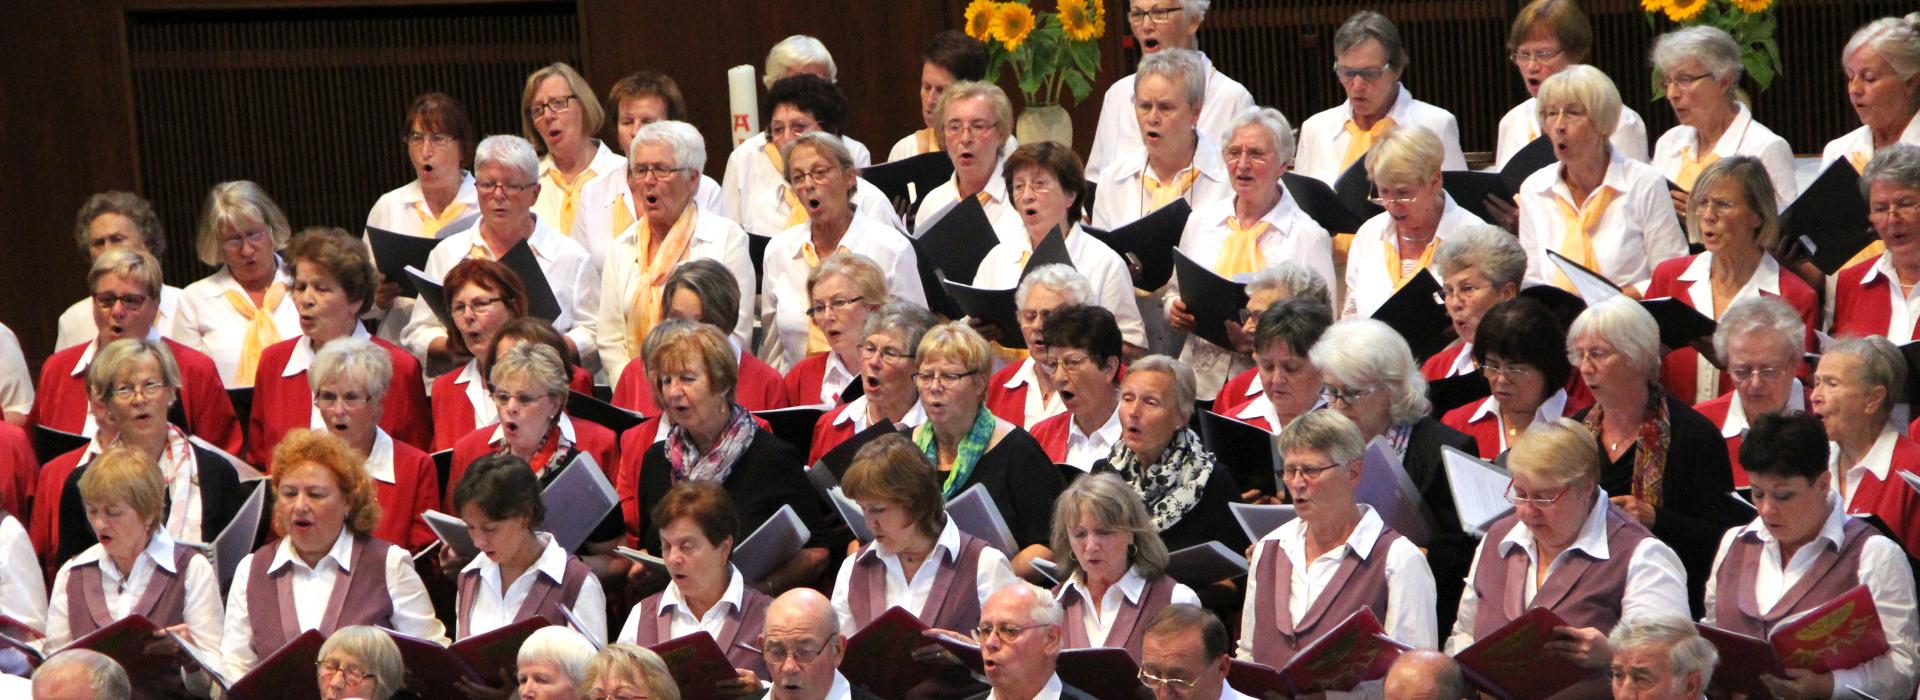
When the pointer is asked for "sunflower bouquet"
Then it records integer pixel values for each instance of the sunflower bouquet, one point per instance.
(1048, 52)
(1749, 22)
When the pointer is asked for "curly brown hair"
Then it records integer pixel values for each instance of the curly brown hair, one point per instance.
(349, 468)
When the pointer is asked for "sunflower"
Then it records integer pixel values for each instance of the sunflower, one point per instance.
(1753, 6)
(980, 15)
(1013, 22)
(1683, 10)
(1082, 19)
(1654, 5)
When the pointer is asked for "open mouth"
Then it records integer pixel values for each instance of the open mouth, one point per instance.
(1065, 396)
(428, 167)
(813, 204)
(652, 200)
(1030, 212)
(1150, 44)
(872, 384)
(302, 524)
(1153, 134)
(553, 135)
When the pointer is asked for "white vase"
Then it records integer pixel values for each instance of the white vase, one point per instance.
(1045, 123)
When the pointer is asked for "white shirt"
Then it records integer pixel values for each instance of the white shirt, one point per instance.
(1743, 137)
(570, 273)
(1050, 691)
(1121, 197)
(1037, 407)
(1736, 424)
(787, 271)
(1861, 141)
(1259, 406)
(1367, 283)
(753, 189)
(907, 147)
(1291, 236)
(1903, 310)
(1105, 270)
(1878, 462)
(313, 588)
(16, 381)
(1548, 412)
(1884, 570)
(593, 225)
(605, 165)
(207, 322)
(1637, 232)
(474, 384)
(1097, 616)
(23, 594)
(1410, 615)
(856, 413)
(681, 621)
(1007, 224)
(202, 605)
(992, 572)
(1521, 125)
(1119, 128)
(494, 607)
(1656, 582)
(1324, 138)
(399, 210)
(76, 323)
(1764, 282)
(714, 238)
(1084, 449)
(833, 382)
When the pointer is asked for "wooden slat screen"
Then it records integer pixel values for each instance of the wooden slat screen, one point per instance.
(309, 103)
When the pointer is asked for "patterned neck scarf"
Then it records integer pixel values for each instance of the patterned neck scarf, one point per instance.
(1650, 459)
(965, 456)
(1172, 486)
(718, 462)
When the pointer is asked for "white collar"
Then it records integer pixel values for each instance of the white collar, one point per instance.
(1616, 178)
(604, 161)
(1553, 407)
(1877, 459)
(1108, 431)
(1592, 538)
(470, 373)
(413, 193)
(630, 236)
(836, 368)
(341, 553)
(1882, 266)
(1766, 277)
(380, 458)
(1206, 159)
(947, 545)
(735, 594)
(1256, 387)
(1833, 529)
(566, 430)
(222, 281)
(86, 356)
(839, 689)
(1023, 376)
(159, 549)
(1366, 533)
(302, 357)
(1402, 101)
(855, 412)
(1130, 585)
(1736, 423)
(551, 563)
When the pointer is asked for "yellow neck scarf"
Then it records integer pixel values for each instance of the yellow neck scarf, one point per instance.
(1160, 195)
(1393, 259)
(569, 195)
(1576, 240)
(656, 264)
(1359, 140)
(1691, 166)
(622, 214)
(1241, 253)
(796, 212)
(260, 329)
(816, 339)
(430, 225)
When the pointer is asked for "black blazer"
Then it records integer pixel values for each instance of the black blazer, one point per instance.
(1210, 520)
(221, 495)
(769, 474)
(1023, 483)
(1451, 552)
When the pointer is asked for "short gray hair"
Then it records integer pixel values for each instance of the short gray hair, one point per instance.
(1895, 39)
(1881, 365)
(1273, 122)
(510, 151)
(353, 360)
(1196, 10)
(561, 646)
(797, 50)
(821, 142)
(1711, 46)
(535, 361)
(689, 147)
(1365, 351)
(1043, 611)
(1687, 653)
(1326, 431)
(1588, 87)
(906, 319)
(1367, 24)
(1761, 314)
(375, 651)
(1484, 247)
(1183, 380)
(1624, 324)
(102, 674)
(1059, 278)
(1183, 65)
(1293, 280)
(1898, 164)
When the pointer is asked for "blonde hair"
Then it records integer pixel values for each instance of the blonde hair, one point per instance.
(349, 469)
(534, 361)
(966, 90)
(1408, 155)
(1585, 86)
(632, 660)
(680, 344)
(232, 205)
(592, 114)
(955, 341)
(128, 475)
(1112, 503)
(1561, 452)
(134, 265)
(868, 279)
(112, 361)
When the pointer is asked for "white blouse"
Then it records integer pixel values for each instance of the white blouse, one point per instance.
(681, 621)
(1119, 128)
(605, 165)
(1291, 236)
(16, 381)
(207, 322)
(753, 189)
(494, 607)
(1860, 141)
(400, 210)
(122, 590)
(1637, 232)
(1368, 285)
(1521, 126)
(23, 594)
(593, 226)
(1324, 138)
(992, 572)
(1105, 270)
(715, 238)
(570, 273)
(1122, 197)
(1743, 137)
(1410, 615)
(1097, 616)
(1006, 222)
(785, 312)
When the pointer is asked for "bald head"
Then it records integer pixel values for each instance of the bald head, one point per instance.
(802, 611)
(801, 623)
(1424, 674)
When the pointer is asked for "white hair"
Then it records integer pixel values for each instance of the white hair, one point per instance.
(1183, 65)
(1196, 10)
(510, 151)
(102, 674)
(1760, 314)
(1275, 125)
(1484, 247)
(1687, 653)
(561, 646)
(354, 361)
(1043, 611)
(1895, 39)
(689, 147)
(1291, 279)
(797, 50)
(1059, 278)
(1624, 324)
(1712, 46)
(1362, 351)
(1184, 384)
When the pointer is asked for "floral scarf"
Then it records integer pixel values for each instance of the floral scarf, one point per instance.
(1171, 487)
(965, 456)
(717, 463)
(1650, 460)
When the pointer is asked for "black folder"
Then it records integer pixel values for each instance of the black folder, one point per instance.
(1471, 189)
(1528, 160)
(1216, 300)
(952, 248)
(393, 252)
(1564, 305)
(1318, 201)
(1416, 312)
(1051, 251)
(49, 443)
(1149, 242)
(1354, 191)
(1680, 324)
(793, 425)
(757, 250)
(992, 306)
(1246, 450)
(925, 172)
(1829, 219)
(541, 302)
(434, 296)
(839, 459)
(586, 407)
(1456, 391)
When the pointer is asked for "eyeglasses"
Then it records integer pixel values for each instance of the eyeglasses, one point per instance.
(1461, 291)
(817, 175)
(820, 309)
(1256, 155)
(1743, 373)
(1036, 186)
(1542, 56)
(776, 654)
(1054, 364)
(1671, 82)
(490, 187)
(324, 400)
(944, 380)
(1158, 15)
(1575, 357)
(1902, 209)
(256, 237)
(460, 308)
(506, 399)
(417, 139)
(888, 356)
(1517, 500)
(1035, 315)
(150, 390)
(621, 694)
(957, 127)
(1346, 396)
(1006, 632)
(1513, 373)
(1291, 472)
(555, 105)
(1717, 206)
(1369, 75)
(353, 674)
(1154, 682)
(1562, 113)
(654, 173)
(108, 301)
(1402, 198)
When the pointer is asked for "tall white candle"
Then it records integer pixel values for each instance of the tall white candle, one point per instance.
(743, 102)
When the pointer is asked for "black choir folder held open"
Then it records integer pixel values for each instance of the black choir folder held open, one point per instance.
(1354, 652)
(908, 180)
(1245, 449)
(1216, 301)
(1000, 307)
(1415, 311)
(951, 247)
(487, 658)
(1829, 219)
(393, 253)
(1149, 242)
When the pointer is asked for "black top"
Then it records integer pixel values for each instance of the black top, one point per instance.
(1023, 483)
(769, 474)
(1210, 520)
(1695, 507)
(221, 495)
(1451, 551)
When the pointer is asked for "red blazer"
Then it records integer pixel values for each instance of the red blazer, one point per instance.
(1678, 369)
(590, 437)
(826, 435)
(18, 469)
(1009, 404)
(283, 403)
(758, 388)
(1435, 368)
(1861, 307)
(62, 401)
(1893, 500)
(1052, 436)
(1715, 409)
(1233, 394)
(43, 528)
(415, 488)
(633, 450)
(1486, 431)
(453, 414)
(802, 383)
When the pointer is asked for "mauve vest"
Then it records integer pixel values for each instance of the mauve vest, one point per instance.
(164, 601)
(1129, 622)
(737, 637)
(1356, 583)
(1584, 591)
(952, 604)
(545, 598)
(1833, 573)
(359, 597)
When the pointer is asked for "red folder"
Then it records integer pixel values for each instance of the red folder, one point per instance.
(18, 630)
(1843, 633)
(1743, 660)
(697, 665)
(1353, 652)
(1508, 664)
(482, 658)
(1103, 672)
(125, 641)
(880, 656)
(286, 674)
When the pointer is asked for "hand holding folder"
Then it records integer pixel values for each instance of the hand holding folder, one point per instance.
(1148, 242)
(1354, 652)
